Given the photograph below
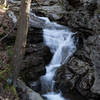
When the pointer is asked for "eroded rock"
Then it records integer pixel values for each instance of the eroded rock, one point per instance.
(76, 74)
(26, 92)
(37, 56)
(50, 8)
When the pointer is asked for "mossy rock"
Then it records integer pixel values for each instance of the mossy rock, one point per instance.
(98, 11)
(3, 6)
(5, 73)
(9, 51)
(4, 80)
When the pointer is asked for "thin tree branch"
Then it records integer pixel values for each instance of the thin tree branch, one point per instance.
(7, 34)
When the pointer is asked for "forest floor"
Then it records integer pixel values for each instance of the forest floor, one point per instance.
(6, 24)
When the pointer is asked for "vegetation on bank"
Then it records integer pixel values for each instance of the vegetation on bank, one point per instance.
(9, 71)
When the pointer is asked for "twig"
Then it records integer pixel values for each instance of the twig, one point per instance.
(7, 34)
(4, 37)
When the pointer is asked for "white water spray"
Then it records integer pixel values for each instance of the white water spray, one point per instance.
(60, 41)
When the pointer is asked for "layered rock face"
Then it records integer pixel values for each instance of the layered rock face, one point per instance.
(75, 75)
(86, 21)
(49, 8)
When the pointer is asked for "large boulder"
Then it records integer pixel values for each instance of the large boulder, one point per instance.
(35, 36)
(76, 74)
(36, 57)
(26, 93)
(93, 47)
(49, 8)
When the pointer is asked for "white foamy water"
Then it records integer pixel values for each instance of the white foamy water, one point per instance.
(12, 16)
(59, 39)
(54, 96)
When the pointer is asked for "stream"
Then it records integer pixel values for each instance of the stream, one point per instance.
(60, 40)
(61, 43)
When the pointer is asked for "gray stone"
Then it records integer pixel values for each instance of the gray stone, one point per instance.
(75, 74)
(50, 8)
(31, 95)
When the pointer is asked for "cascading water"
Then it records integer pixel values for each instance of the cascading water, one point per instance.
(60, 41)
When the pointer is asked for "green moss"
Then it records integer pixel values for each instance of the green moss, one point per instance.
(4, 74)
(85, 21)
(23, 76)
(2, 35)
(2, 6)
(4, 27)
(11, 89)
(10, 51)
(61, 2)
(98, 11)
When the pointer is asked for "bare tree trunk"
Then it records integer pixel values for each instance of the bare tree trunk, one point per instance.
(19, 48)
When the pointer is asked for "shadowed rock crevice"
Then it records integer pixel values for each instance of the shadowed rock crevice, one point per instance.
(75, 3)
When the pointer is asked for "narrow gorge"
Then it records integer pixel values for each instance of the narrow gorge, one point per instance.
(62, 55)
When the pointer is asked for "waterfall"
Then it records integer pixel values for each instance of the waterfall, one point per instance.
(60, 41)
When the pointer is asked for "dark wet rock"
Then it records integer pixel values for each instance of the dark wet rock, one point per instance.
(37, 56)
(74, 3)
(35, 36)
(61, 81)
(40, 50)
(49, 8)
(36, 86)
(93, 47)
(90, 53)
(86, 20)
(76, 74)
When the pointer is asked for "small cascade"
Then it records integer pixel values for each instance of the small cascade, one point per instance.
(61, 43)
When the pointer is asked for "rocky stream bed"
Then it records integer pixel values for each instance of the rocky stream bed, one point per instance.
(79, 77)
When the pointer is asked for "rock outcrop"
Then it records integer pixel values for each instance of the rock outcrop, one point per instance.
(49, 8)
(37, 56)
(26, 93)
(86, 21)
